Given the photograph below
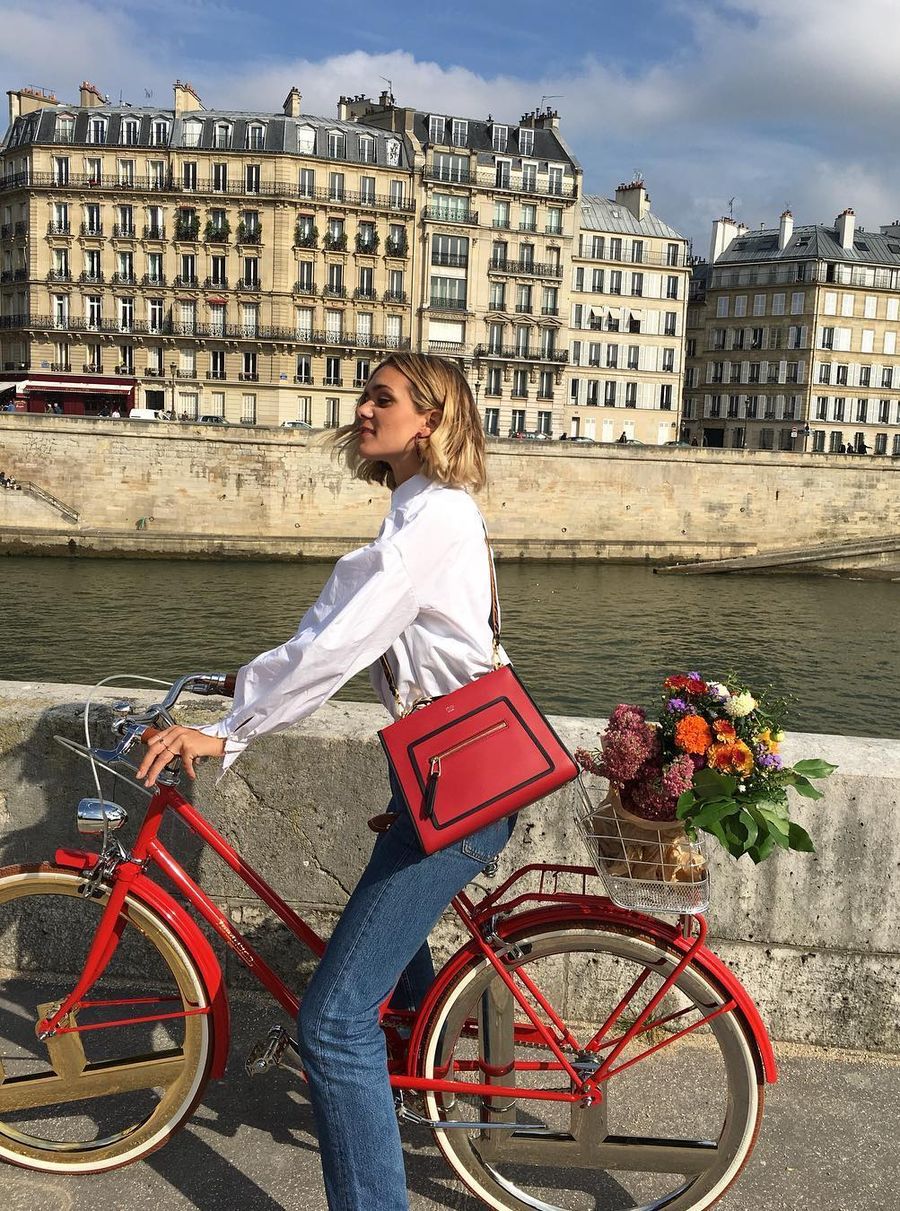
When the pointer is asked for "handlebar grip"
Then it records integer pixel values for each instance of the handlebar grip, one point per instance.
(149, 734)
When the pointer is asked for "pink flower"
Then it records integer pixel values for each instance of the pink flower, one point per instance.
(678, 776)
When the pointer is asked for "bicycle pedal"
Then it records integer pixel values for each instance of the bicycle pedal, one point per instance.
(268, 1052)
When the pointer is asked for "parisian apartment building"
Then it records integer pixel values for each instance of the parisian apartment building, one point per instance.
(256, 266)
(791, 340)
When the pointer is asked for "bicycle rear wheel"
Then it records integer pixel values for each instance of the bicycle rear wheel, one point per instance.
(93, 1099)
(673, 1130)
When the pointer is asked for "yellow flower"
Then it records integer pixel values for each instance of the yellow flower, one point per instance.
(770, 739)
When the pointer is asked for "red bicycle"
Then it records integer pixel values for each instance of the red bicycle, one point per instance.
(572, 1054)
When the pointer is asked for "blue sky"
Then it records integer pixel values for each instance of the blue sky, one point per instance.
(769, 102)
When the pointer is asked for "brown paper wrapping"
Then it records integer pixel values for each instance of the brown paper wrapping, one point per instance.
(632, 847)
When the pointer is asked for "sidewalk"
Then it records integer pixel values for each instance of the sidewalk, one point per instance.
(830, 1142)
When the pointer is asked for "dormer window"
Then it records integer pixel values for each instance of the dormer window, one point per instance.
(337, 145)
(131, 132)
(367, 149)
(459, 132)
(192, 132)
(436, 129)
(499, 135)
(223, 134)
(256, 136)
(306, 140)
(159, 132)
(526, 141)
(97, 130)
(65, 129)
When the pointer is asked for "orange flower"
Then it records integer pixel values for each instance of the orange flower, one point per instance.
(724, 730)
(734, 757)
(692, 734)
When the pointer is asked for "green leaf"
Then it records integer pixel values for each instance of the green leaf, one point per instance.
(710, 785)
(711, 813)
(777, 824)
(751, 828)
(805, 788)
(815, 767)
(762, 848)
(799, 838)
(686, 803)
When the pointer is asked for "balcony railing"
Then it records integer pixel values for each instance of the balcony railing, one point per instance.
(396, 248)
(169, 327)
(92, 229)
(217, 235)
(6, 231)
(124, 279)
(304, 288)
(59, 275)
(216, 283)
(367, 295)
(154, 232)
(448, 348)
(187, 280)
(444, 303)
(503, 224)
(168, 184)
(455, 260)
(52, 229)
(395, 296)
(125, 231)
(249, 235)
(522, 354)
(627, 256)
(528, 227)
(21, 227)
(61, 367)
(449, 175)
(252, 284)
(217, 375)
(153, 279)
(92, 368)
(440, 214)
(538, 269)
(248, 376)
(92, 279)
(334, 292)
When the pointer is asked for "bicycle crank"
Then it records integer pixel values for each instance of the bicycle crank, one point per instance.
(269, 1052)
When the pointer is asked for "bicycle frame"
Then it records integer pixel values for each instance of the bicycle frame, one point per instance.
(488, 939)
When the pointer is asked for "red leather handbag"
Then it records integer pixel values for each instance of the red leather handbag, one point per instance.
(473, 756)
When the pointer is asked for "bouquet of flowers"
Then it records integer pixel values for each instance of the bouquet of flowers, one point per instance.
(710, 760)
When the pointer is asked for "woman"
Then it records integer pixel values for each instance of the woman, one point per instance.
(420, 594)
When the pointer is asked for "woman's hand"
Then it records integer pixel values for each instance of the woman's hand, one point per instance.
(184, 742)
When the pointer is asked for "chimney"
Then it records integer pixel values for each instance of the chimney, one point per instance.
(723, 232)
(785, 230)
(633, 197)
(186, 98)
(27, 100)
(845, 224)
(90, 96)
(292, 107)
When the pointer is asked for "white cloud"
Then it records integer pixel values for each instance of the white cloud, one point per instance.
(759, 100)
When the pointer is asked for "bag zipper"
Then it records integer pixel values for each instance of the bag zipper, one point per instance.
(434, 764)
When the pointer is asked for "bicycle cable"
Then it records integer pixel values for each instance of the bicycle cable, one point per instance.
(87, 734)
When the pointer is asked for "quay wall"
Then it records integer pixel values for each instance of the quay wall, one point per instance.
(814, 937)
(155, 488)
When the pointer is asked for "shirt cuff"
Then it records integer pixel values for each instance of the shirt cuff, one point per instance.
(233, 748)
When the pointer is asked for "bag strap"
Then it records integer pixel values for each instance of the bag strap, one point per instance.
(495, 630)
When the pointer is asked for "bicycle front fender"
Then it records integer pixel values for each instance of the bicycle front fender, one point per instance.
(605, 912)
(158, 901)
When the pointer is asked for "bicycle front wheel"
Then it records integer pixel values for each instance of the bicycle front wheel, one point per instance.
(672, 1129)
(132, 1062)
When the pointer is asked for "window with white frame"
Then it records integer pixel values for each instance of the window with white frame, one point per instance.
(499, 138)
(337, 145)
(191, 132)
(159, 132)
(436, 127)
(367, 149)
(248, 408)
(526, 141)
(306, 139)
(222, 138)
(256, 136)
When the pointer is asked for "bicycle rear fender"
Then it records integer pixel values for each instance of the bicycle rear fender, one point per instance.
(159, 902)
(602, 910)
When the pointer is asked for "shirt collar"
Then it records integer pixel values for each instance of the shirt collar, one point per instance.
(408, 489)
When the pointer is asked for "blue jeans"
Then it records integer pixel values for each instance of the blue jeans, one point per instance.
(379, 944)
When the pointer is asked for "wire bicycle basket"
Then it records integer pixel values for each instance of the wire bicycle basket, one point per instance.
(647, 865)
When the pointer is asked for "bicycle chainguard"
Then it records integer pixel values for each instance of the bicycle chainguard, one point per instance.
(269, 1052)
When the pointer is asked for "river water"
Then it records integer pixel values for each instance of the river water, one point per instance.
(582, 636)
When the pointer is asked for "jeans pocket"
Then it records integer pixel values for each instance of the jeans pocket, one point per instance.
(487, 843)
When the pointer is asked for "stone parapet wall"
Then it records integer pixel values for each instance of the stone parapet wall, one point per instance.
(815, 938)
(157, 488)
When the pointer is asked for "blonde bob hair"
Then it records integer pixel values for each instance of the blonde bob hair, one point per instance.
(454, 453)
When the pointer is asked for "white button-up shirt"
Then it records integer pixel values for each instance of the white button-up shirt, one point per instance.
(420, 594)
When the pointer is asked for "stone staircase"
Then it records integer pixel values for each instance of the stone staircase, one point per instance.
(36, 492)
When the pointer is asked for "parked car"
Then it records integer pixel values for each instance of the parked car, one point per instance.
(213, 420)
(143, 414)
(295, 424)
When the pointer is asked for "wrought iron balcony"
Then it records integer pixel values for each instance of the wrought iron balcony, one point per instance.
(304, 288)
(154, 231)
(153, 279)
(95, 229)
(443, 303)
(539, 269)
(248, 376)
(449, 174)
(440, 214)
(245, 283)
(515, 352)
(334, 292)
(395, 296)
(52, 229)
(216, 283)
(189, 280)
(59, 275)
(92, 279)
(124, 279)
(368, 295)
(61, 367)
(455, 260)
(125, 231)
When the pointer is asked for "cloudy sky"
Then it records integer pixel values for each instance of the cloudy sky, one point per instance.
(767, 102)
